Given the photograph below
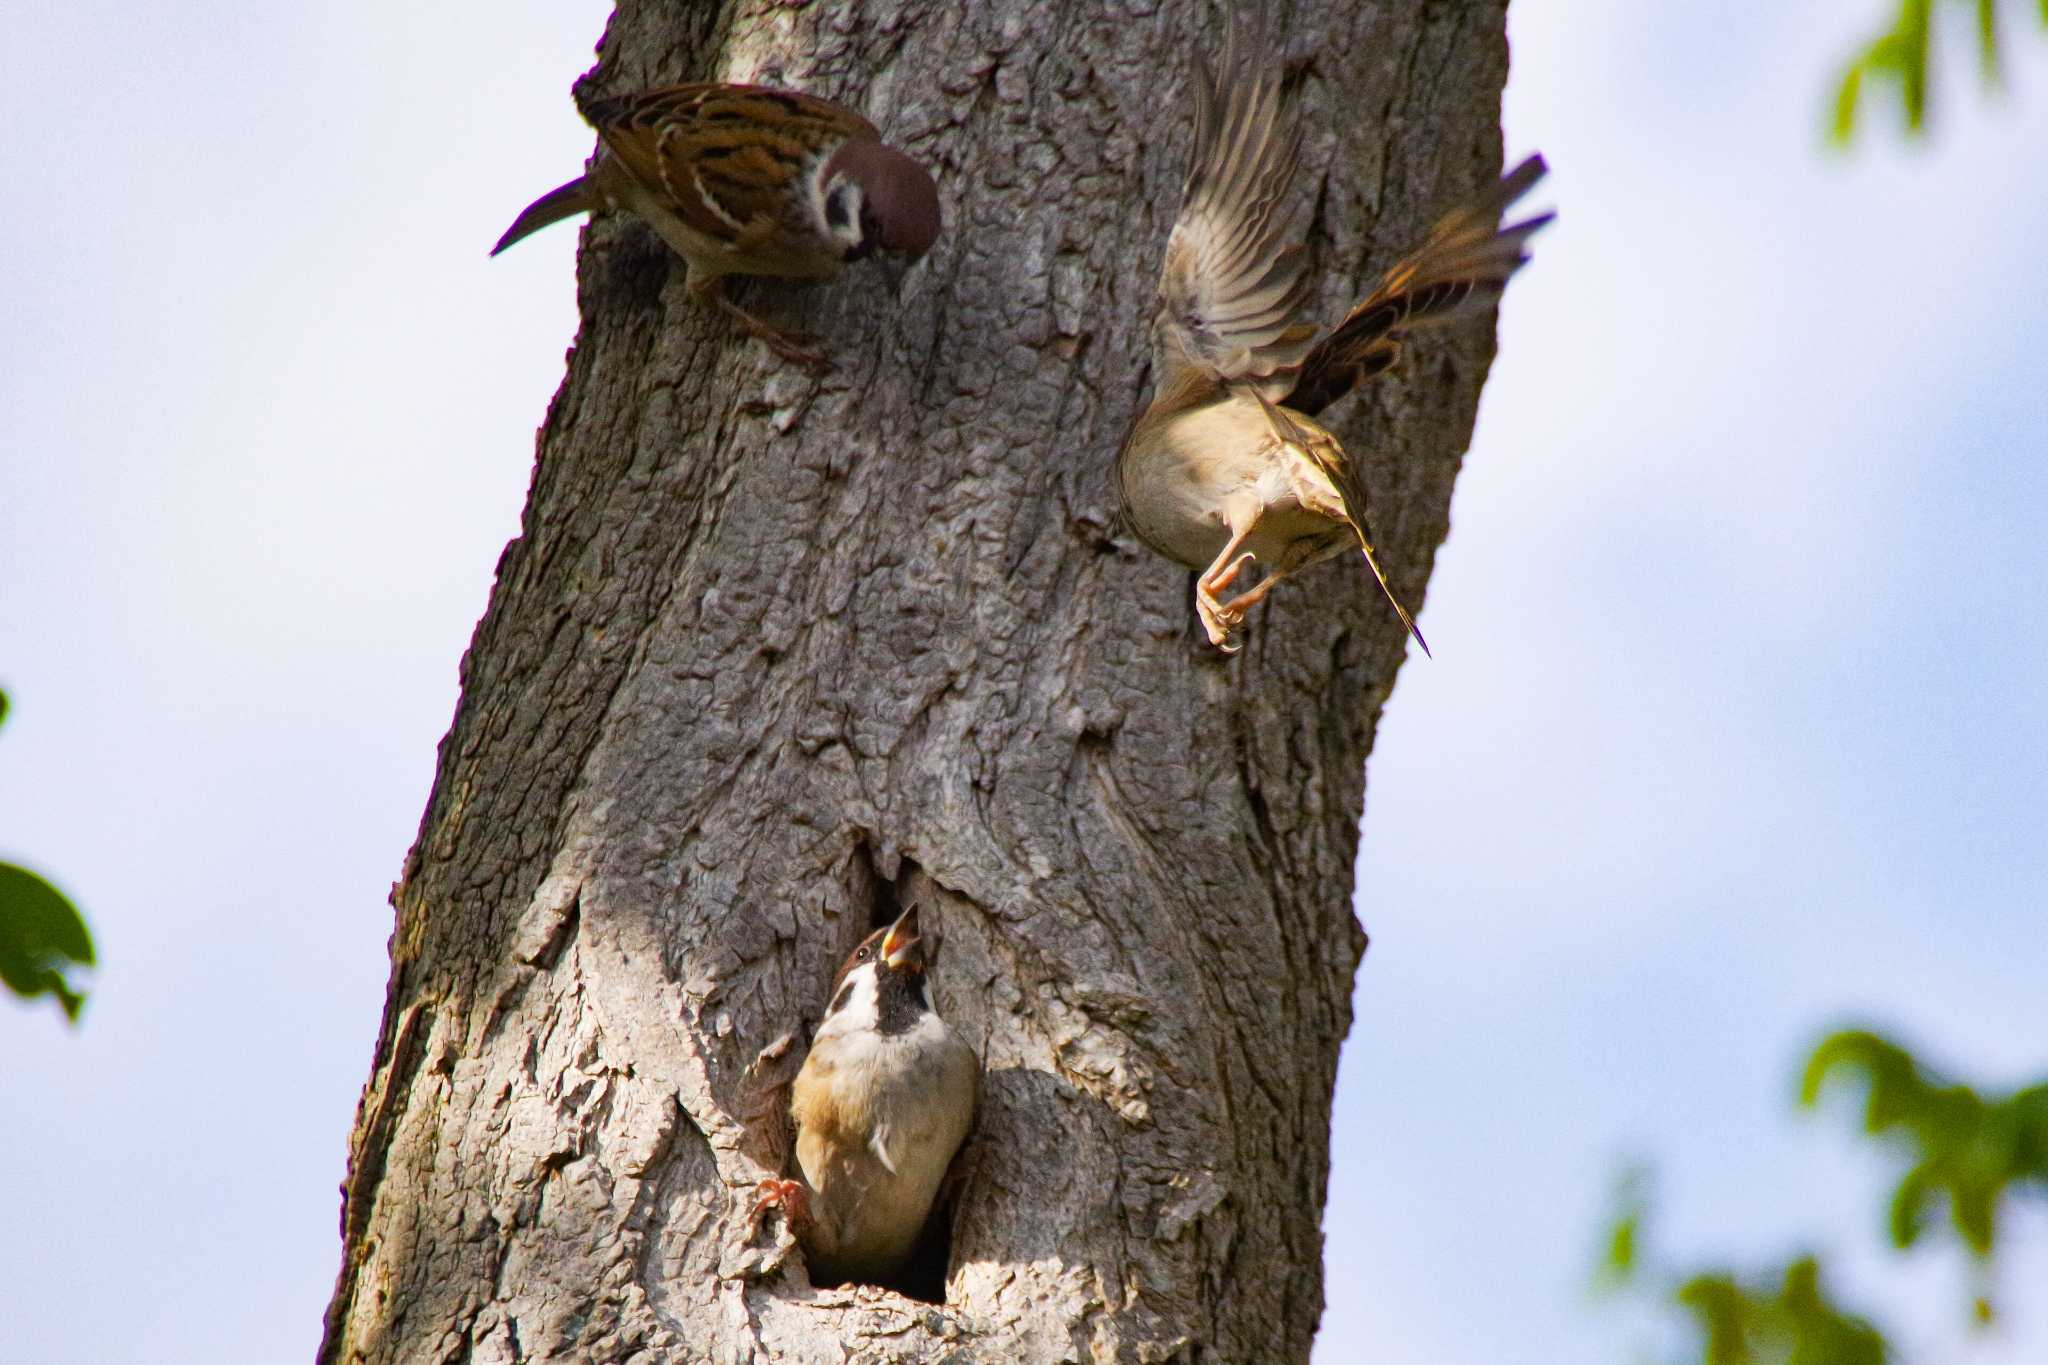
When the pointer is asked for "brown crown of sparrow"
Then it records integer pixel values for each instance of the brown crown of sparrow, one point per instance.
(1227, 466)
(747, 180)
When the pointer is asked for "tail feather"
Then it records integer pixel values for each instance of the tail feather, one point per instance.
(1344, 476)
(1514, 185)
(564, 201)
(1467, 258)
(1372, 561)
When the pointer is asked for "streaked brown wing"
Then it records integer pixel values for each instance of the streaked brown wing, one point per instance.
(721, 155)
(1466, 258)
(1233, 282)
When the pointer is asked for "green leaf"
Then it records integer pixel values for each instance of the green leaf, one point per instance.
(1621, 1248)
(1891, 1073)
(1746, 1321)
(1971, 1150)
(1903, 56)
(1907, 1214)
(1974, 1151)
(1987, 40)
(3, 691)
(1814, 1329)
(1973, 1206)
(1719, 1306)
(42, 936)
(1621, 1255)
(1911, 61)
(2027, 1113)
(1845, 103)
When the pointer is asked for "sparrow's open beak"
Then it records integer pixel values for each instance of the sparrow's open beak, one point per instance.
(900, 946)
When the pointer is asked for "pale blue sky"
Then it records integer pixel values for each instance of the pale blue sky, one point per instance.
(1738, 723)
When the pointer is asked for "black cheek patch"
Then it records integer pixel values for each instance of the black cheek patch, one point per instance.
(900, 1001)
(839, 1000)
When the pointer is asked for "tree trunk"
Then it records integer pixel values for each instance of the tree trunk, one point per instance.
(776, 654)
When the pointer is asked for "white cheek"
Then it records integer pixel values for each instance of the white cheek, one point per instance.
(846, 232)
(862, 1009)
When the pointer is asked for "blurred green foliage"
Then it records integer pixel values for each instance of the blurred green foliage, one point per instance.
(42, 935)
(1977, 1152)
(1965, 1149)
(1750, 1321)
(1900, 57)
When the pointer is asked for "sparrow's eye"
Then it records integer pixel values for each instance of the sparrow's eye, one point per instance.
(862, 955)
(836, 215)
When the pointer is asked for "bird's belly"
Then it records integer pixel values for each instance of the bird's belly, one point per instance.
(904, 1105)
(1177, 494)
(879, 1213)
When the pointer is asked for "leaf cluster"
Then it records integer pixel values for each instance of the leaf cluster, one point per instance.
(1965, 1149)
(1784, 1317)
(1975, 1151)
(1900, 56)
(1752, 1321)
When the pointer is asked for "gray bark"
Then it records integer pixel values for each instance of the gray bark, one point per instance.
(774, 654)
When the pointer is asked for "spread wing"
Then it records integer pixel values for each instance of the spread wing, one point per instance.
(1466, 259)
(1233, 283)
(720, 155)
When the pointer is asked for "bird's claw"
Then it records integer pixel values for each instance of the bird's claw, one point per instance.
(785, 345)
(787, 1195)
(1222, 578)
(1220, 623)
(789, 348)
(1221, 619)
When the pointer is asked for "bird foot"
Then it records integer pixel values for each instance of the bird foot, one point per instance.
(790, 347)
(789, 1196)
(1219, 618)
(1221, 577)
(785, 345)
(1219, 621)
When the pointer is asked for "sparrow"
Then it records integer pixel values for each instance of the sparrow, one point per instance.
(884, 1100)
(1227, 466)
(747, 180)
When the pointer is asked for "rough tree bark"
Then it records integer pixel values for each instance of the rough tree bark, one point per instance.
(776, 653)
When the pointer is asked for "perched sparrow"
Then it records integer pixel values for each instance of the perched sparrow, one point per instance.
(744, 180)
(883, 1102)
(1227, 465)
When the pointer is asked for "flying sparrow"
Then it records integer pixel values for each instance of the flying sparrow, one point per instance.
(745, 180)
(1227, 464)
(882, 1103)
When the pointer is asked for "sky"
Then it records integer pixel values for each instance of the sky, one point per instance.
(1737, 729)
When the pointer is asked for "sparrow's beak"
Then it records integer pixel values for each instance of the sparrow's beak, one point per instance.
(901, 947)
